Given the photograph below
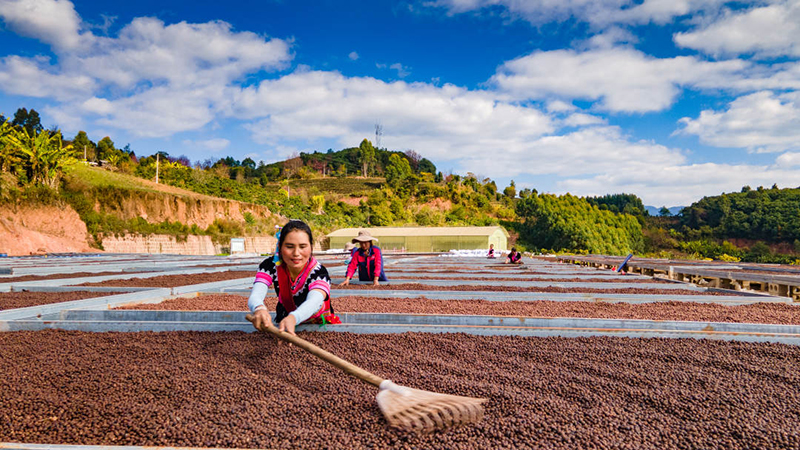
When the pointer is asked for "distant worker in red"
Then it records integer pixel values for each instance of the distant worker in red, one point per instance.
(514, 257)
(368, 259)
(491, 252)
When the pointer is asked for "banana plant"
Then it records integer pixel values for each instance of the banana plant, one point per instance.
(42, 154)
(9, 156)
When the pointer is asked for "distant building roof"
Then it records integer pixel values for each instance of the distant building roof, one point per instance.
(420, 231)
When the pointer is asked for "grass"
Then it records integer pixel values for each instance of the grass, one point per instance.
(102, 178)
(335, 185)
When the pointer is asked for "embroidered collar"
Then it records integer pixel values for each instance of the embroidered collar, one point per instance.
(303, 276)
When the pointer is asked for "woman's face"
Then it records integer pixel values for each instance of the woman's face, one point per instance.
(365, 245)
(295, 251)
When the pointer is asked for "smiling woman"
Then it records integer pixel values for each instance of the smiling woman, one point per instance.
(301, 283)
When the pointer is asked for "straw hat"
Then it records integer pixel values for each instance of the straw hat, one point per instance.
(363, 236)
(349, 246)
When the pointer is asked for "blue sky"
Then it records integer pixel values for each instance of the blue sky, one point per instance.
(671, 100)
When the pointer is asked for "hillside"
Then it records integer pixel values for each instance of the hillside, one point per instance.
(95, 204)
(362, 186)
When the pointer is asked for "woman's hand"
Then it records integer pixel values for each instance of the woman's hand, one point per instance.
(345, 282)
(288, 324)
(375, 282)
(261, 319)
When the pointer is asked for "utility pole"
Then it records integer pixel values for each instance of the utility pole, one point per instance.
(378, 134)
(158, 156)
(84, 152)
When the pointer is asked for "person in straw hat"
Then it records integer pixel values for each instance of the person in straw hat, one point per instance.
(368, 259)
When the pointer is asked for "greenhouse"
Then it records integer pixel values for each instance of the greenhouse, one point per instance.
(426, 239)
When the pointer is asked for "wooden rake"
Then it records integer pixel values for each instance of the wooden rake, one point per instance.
(403, 407)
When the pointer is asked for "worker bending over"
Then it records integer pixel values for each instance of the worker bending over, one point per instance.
(514, 257)
(368, 259)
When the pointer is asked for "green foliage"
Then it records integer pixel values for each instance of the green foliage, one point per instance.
(28, 121)
(40, 156)
(105, 148)
(771, 215)
(620, 203)
(317, 203)
(511, 190)
(429, 217)
(81, 143)
(570, 223)
(366, 156)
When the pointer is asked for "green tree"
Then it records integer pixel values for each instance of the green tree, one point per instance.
(664, 212)
(84, 146)
(398, 171)
(105, 148)
(511, 190)
(28, 120)
(425, 166)
(366, 153)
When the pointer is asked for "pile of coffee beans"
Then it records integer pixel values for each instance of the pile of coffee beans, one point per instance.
(248, 390)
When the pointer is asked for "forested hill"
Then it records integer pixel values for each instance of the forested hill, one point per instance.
(771, 215)
(367, 186)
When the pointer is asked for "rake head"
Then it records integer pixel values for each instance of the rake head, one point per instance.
(425, 411)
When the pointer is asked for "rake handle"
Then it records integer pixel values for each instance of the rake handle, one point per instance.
(324, 355)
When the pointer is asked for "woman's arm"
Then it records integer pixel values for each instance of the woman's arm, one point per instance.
(257, 296)
(378, 265)
(257, 306)
(351, 268)
(313, 303)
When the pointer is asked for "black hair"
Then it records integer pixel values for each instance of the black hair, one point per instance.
(513, 249)
(294, 225)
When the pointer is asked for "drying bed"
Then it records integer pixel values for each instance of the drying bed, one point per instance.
(466, 277)
(247, 390)
(55, 276)
(170, 281)
(554, 289)
(24, 299)
(767, 313)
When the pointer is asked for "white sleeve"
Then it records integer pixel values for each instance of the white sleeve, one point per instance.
(313, 303)
(257, 296)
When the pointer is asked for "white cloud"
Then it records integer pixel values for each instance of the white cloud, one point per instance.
(611, 38)
(580, 119)
(680, 184)
(402, 71)
(153, 79)
(54, 22)
(437, 120)
(585, 152)
(788, 159)
(622, 79)
(33, 77)
(353, 56)
(596, 12)
(766, 31)
(763, 121)
(214, 145)
(180, 54)
(557, 106)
